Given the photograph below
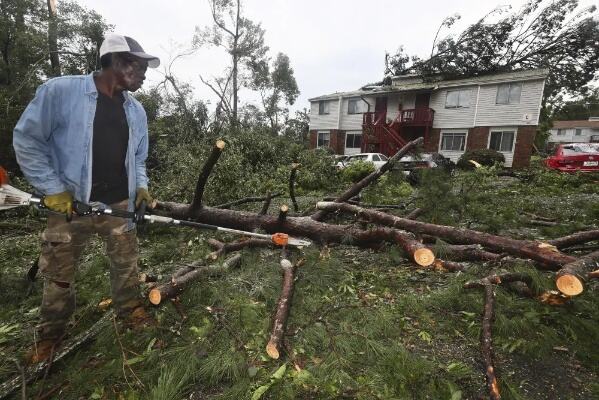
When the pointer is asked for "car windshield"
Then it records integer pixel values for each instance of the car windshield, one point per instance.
(580, 148)
(383, 157)
(358, 157)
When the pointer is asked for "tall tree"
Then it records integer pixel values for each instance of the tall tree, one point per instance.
(277, 87)
(554, 34)
(242, 39)
(53, 37)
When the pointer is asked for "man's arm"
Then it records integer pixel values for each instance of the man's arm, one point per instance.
(31, 138)
(141, 154)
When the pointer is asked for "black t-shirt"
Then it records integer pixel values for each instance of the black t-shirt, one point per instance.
(110, 141)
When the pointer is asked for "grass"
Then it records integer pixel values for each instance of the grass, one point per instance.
(364, 324)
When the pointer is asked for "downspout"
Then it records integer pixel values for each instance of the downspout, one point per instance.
(339, 113)
(364, 139)
(476, 107)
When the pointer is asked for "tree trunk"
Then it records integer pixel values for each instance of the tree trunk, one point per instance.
(225, 248)
(206, 170)
(571, 278)
(53, 37)
(283, 305)
(540, 252)
(294, 168)
(575, 238)
(467, 252)
(178, 283)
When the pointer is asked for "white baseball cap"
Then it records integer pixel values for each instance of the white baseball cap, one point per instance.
(124, 44)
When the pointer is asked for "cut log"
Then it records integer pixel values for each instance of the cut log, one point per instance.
(571, 278)
(283, 213)
(487, 342)
(283, 305)
(497, 279)
(469, 252)
(575, 238)
(176, 285)
(225, 248)
(206, 170)
(418, 252)
(450, 266)
(357, 188)
(294, 168)
(547, 257)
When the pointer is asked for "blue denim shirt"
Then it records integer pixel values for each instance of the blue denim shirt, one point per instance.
(53, 138)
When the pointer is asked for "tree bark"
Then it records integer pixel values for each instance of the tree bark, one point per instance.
(283, 305)
(206, 170)
(53, 37)
(547, 257)
(266, 204)
(571, 278)
(487, 342)
(450, 266)
(357, 188)
(575, 238)
(467, 252)
(415, 213)
(294, 168)
(178, 283)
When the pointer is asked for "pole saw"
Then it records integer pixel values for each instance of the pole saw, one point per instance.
(11, 197)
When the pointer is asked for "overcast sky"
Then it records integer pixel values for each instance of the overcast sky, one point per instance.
(334, 45)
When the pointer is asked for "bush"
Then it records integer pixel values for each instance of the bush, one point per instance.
(485, 157)
(391, 188)
(357, 170)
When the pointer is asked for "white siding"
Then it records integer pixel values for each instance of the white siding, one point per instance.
(353, 122)
(327, 121)
(491, 114)
(407, 101)
(447, 118)
(569, 135)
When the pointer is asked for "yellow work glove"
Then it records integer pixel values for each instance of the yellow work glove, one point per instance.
(143, 194)
(60, 202)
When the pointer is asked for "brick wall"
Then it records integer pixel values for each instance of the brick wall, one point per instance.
(525, 139)
(478, 138)
(337, 140)
(432, 144)
(313, 139)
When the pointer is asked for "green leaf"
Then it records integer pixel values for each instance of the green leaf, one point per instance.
(260, 391)
(280, 372)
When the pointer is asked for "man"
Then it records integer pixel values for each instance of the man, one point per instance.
(85, 138)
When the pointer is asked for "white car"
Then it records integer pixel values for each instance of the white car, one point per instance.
(377, 159)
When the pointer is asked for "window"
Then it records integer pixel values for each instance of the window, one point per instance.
(560, 132)
(375, 158)
(353, 140)
(502, 141)
(356, 106)
(578, 132)
(453, 141)
(323, 107)
(458, 99)
(509, 93)
(383, 157)
(324, 139)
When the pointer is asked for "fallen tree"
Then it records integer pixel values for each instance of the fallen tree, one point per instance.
(571, 278)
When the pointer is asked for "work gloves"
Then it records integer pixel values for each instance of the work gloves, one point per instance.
(143, 194)
(60, 202)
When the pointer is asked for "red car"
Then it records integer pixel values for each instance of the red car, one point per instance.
(574, 157)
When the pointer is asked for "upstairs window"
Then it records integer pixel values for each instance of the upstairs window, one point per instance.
(323, 107)
(324, 139)
(509, 93)
(560, 132)
(502, 141)
(578, 132)
(458, 99)
(356, 106)
(453, 141)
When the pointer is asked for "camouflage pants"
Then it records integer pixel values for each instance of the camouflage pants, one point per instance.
(62, 245)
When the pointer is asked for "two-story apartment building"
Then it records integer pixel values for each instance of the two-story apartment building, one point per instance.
(576, 131)
(498, 111)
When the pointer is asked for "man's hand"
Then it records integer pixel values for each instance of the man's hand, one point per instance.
(60, 202)
(143, 194)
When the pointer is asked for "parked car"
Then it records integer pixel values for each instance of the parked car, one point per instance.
(574, 157)
(411, 165)
(340, 161)
(377, 159)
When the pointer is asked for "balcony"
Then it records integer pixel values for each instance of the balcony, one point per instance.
(412, 117)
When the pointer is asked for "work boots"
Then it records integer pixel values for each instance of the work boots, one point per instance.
(138, 319)
(42, 351)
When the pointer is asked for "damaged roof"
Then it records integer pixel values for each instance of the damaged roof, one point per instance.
(414, 82)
